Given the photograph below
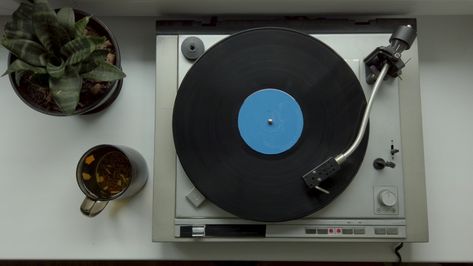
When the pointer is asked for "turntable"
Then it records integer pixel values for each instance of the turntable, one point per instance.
(263, 134)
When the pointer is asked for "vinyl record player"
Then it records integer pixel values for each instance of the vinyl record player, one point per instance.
(253, 105)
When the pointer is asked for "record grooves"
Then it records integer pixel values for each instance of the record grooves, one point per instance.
(224, 168)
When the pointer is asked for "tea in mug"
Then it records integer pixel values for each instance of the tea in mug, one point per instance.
(106, 172)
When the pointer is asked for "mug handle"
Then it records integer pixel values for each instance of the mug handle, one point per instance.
(90, 207)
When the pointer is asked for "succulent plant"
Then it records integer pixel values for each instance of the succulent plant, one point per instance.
(55, 47)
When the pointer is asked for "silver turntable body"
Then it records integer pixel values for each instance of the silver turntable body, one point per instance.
(378, 205)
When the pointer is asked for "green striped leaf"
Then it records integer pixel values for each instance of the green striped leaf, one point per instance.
(28, 51)
(104, 72)
(18, 30)
(93, 61)
(79, 49)
(19, 65)
(67, 20)
(56, 70)
(23, 12)
(46, 27)
(21, 27)
(99, 55)
(66, 91)
(81, 25)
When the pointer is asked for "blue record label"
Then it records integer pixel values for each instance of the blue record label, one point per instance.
(270, 121)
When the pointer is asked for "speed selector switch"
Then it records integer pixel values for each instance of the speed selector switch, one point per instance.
(387, 198)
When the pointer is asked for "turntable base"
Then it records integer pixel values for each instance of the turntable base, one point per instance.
(360, 213)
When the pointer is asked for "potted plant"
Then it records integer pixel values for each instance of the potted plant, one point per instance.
(61, 63)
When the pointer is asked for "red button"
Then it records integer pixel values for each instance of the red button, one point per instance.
(330, 230)
(339, 230)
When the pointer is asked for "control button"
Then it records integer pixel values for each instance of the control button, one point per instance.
(347, 231)
(330, 230)
(310, 231)
(380, 231)
(195, 197)
(359, 231)
(392, 231)
(322, 231)
(387, 198)
(198, 231)
(338, 230)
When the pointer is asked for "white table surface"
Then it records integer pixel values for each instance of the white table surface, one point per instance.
(39, 197)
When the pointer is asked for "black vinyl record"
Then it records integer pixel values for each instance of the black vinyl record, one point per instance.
(250, 184)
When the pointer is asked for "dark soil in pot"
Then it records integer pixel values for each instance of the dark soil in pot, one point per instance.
(94, 97)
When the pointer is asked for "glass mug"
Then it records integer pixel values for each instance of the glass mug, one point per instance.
(109, 172)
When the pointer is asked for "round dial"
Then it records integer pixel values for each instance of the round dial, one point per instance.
(387, 198)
